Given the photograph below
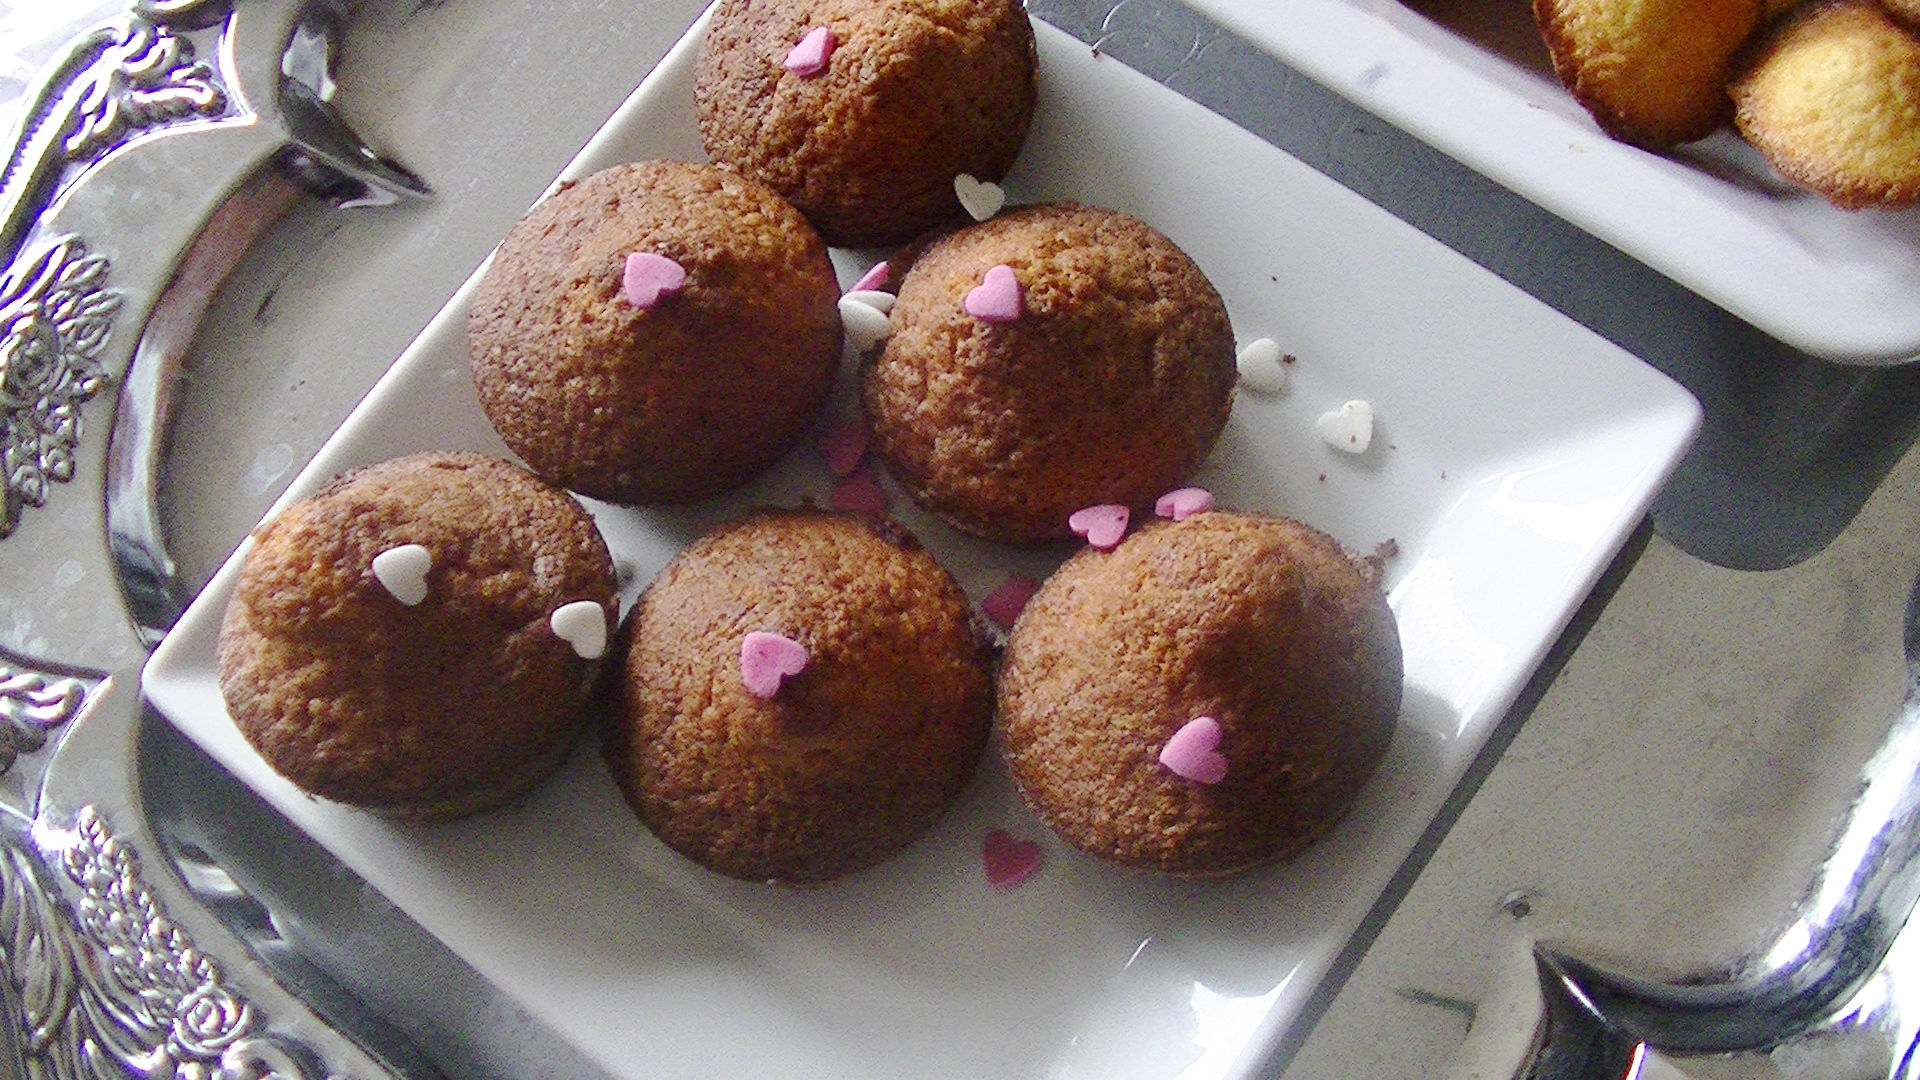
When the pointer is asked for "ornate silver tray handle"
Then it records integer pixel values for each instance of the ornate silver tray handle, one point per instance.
(110, 964)
(156, 1006)
(145, 161)
(56, 306)
(1830, 996)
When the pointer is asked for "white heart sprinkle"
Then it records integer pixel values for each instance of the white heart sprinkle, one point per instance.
(583, 625)
(1348, 428)
(981, 199)
(1262, 367)
(877, 299)
(403, 572)
(866, 325)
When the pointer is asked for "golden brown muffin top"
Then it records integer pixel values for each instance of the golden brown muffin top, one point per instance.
(1111, 386)
(668, 403)
(1264, 625)
(853, 756)
(914, 92)
(435, 707)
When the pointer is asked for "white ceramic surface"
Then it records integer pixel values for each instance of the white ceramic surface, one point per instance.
(1714, 217)
(1514, 452)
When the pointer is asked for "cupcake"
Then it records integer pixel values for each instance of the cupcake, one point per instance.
(863, 112)
(655, 333)
(1052, 358)
(802, 694)
(419, 637)
(1208, 696)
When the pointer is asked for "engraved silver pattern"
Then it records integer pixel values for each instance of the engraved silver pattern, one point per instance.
(118, 989)
(179, 11)
(147, 79)
(55, 314)
(115, 82)
(33, 703)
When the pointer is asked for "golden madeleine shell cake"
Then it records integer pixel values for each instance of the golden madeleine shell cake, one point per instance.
(1208, 696)
(1907, 11)
(1650, 72)
(1831, 96)
(420, 636)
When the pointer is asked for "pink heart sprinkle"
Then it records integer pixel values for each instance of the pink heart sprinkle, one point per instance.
(810, 56)
(766, 659)
(1008, 861)
(1193, 752)
(997, 298)
(1182, 503)
(648, 277)
(1004, 604)
(860, 493)
(875, 277)
(842, 445)
(1104, 525)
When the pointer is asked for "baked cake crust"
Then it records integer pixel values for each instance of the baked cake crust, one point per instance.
(1832, 97)
(914, 92)
(1111, 387)
(855, 755)
(670, 403)
(1263, 624)
(462, 700)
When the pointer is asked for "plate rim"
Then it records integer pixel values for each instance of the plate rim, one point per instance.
(1376, 56)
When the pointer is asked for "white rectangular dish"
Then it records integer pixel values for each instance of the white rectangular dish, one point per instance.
(1714, 216)
(1515, 451)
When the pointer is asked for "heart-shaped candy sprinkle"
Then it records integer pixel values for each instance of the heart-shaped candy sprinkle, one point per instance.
(809, 57)
(1182, 503)
(1005, 603)
(1008, 861)
(981, 199)
(997, 298)
(1348, 428)
(842, 445)
(403, 572)
(875, 277)
(1103, 525)
(859, 493)
(1262, 367)
(583, 625)
(1194, 752)
(865, 323)
(648, 277)
(877, 299)
(766, 659)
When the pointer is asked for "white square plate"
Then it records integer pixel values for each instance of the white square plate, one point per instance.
(1714, 216)
(1515, 451)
